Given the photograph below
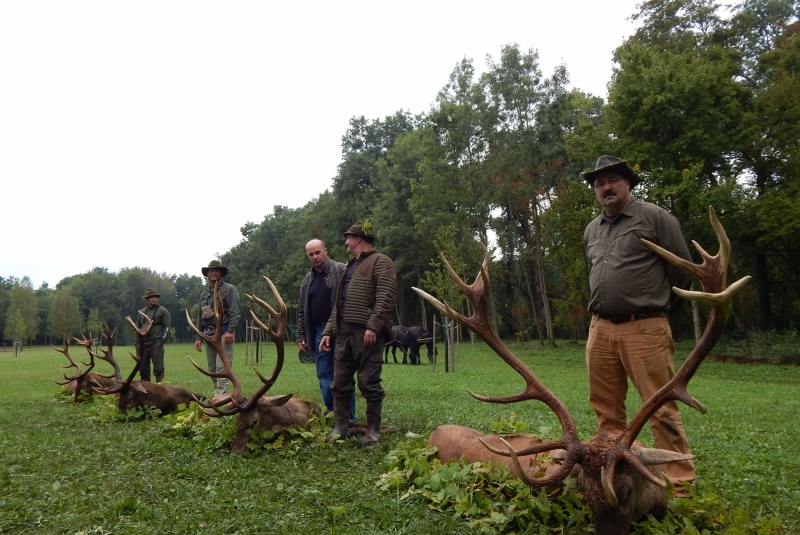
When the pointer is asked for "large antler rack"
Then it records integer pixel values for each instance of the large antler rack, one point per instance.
(141, 333)
(236, 402)
(712, 276)
(478, 293)
(72, 364)
(108, 354)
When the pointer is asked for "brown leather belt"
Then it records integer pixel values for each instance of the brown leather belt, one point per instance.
(616, 319)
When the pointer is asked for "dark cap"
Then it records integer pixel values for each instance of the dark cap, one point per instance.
(151, 293)
(610, 164)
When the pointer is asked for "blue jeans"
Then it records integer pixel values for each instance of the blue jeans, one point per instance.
(324, 361)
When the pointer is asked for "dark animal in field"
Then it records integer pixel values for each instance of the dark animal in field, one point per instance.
(255, 412)
(420, 337)
(618, 479)
(408, 341)
(133, 394)
(400, 340)
(83, 382)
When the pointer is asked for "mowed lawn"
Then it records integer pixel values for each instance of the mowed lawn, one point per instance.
(62, 470)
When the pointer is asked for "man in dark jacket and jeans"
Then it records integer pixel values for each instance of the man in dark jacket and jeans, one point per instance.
(317, 296)
(361, 322)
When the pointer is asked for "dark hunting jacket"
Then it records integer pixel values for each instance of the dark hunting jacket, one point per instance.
(371, 295)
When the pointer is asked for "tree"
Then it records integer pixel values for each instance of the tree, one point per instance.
(64, 319)
(525, 160)
(22, 317)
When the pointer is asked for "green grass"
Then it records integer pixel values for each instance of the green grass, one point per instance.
(62, 470)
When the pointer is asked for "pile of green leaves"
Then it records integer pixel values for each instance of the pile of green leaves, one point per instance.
(492, 501)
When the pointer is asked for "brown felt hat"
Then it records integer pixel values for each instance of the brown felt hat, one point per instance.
(610, 164)
(214, 264)
(151, 293)
(363, 229)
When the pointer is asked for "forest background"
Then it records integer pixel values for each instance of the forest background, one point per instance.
(705, 104)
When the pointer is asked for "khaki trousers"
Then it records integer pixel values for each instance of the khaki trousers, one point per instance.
(215, 365)
(642, 350)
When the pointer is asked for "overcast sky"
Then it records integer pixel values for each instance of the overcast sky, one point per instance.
(148, 133)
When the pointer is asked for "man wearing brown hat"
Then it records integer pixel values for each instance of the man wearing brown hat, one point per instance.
(153, 350)
(630, 301)
(207, 322)
(360, 322)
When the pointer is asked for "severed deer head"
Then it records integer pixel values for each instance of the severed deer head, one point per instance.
(255, 411)
(616, 476)
(82, 383)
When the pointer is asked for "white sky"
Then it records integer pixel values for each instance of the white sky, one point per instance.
(124, 125)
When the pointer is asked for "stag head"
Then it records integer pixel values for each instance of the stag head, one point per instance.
(616, 477)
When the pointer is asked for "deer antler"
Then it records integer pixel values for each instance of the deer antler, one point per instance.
(478, 294)
(107, 355)
(141, 333)
(72, 364)
(712, 275)
(235, 401)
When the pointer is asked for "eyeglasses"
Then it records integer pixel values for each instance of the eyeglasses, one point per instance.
(614, 180)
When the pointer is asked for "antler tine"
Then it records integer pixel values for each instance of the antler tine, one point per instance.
(711, 274)
(557, 476)
(140, 333)
(72, 363)
(108, 354)
(280, 318)
(145, 328)
(87, 343)
(215, 341)
(478, 294)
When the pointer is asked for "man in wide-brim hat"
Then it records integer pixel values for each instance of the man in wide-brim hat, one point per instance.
(630, 301)
(207, 322)
(153, 350)
(216, 265)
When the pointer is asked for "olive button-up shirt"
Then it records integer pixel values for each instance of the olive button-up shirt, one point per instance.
(625, 276)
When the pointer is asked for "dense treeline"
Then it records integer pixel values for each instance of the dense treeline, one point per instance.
(705, 102)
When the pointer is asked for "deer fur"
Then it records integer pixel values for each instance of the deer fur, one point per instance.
(164, 397)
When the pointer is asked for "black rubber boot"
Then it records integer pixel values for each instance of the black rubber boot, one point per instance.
(341, 415)
(146, 377)
(373, 435)
(159, 377)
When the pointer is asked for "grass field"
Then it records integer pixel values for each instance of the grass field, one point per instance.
(62, 470)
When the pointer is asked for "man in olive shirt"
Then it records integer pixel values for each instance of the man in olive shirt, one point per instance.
(630, 300)
(153, 350)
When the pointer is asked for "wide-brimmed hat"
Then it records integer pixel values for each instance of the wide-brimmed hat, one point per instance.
(217, 265)
(151, 293)
(608, 164)
(363, 229)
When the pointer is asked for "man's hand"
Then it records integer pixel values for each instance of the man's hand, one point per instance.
(370, 337)
(228, 338)
(325, 343)
(197, 344)
(301, 344)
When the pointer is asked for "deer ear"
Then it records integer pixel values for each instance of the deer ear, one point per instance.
(277, 401)
(139, 388)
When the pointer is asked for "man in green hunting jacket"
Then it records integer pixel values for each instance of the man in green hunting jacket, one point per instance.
(361, 322)
(153, 350)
